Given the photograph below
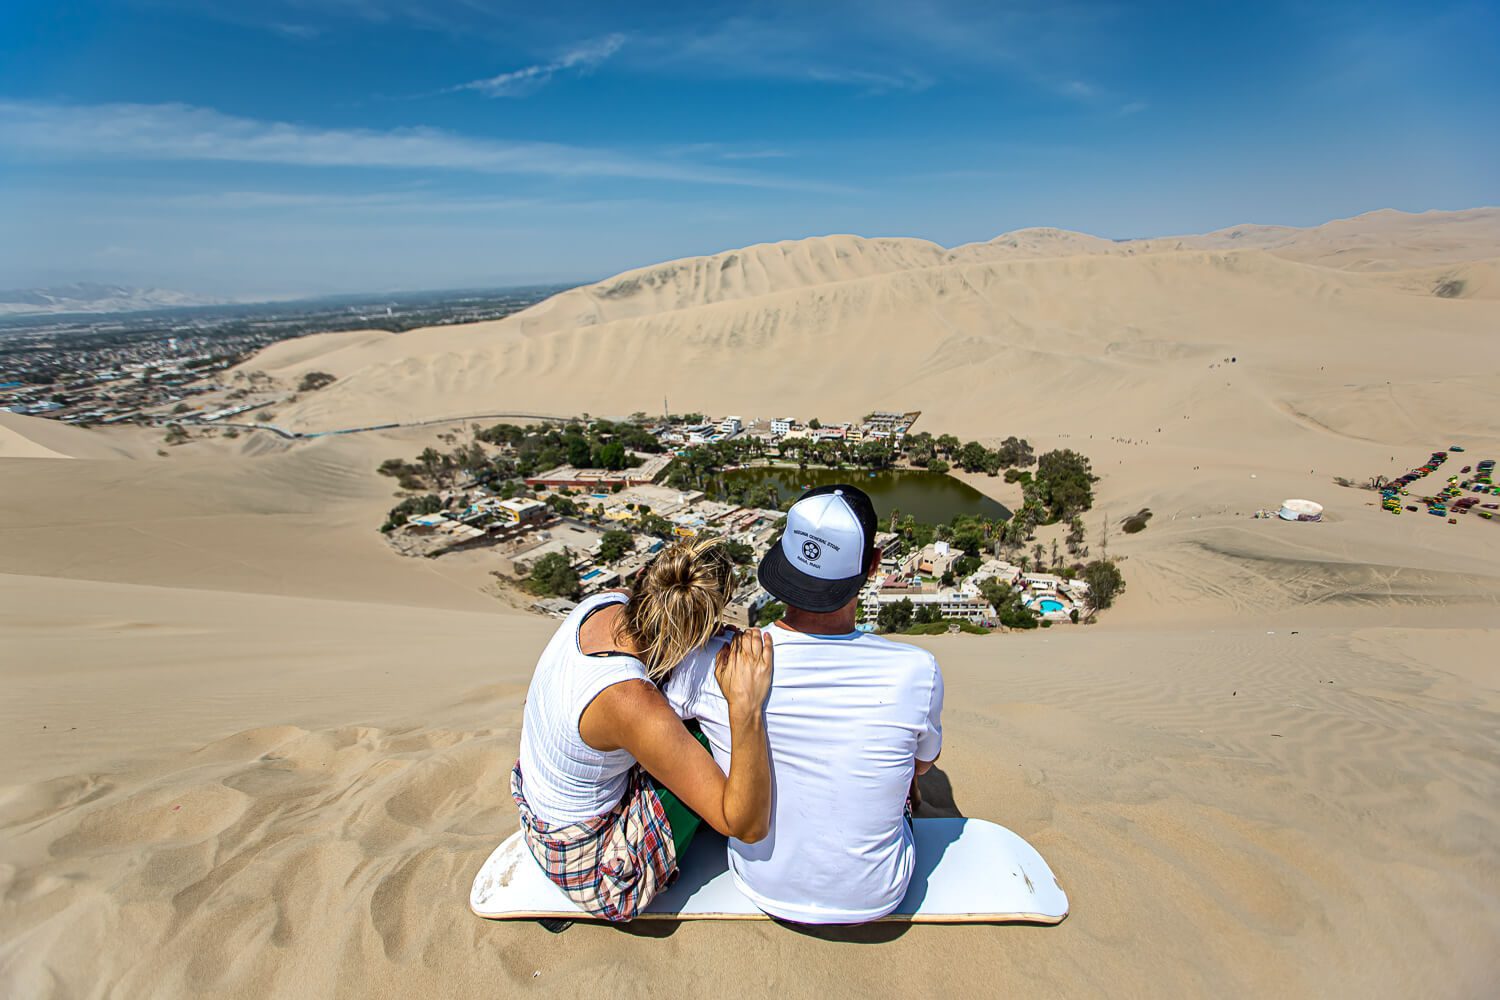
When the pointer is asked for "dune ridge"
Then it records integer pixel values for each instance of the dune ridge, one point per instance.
(904, 314)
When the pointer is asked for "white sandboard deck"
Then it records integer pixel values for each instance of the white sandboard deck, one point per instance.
(967, 871)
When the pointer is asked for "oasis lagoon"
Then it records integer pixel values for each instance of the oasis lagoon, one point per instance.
(930, 497)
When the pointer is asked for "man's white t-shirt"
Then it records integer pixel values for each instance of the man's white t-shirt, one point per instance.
(847, 718)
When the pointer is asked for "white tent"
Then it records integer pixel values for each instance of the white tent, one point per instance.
(1301, 510)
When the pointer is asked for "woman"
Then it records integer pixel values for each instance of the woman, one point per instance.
(610, 783)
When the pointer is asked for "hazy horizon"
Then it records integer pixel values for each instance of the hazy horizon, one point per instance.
(318, 147)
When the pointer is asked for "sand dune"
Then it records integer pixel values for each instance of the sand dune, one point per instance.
(251, 752)
(1049, 329)
(36, 437)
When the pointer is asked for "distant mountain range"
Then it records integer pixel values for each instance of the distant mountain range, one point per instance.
(87, 297)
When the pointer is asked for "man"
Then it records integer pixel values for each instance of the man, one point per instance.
(851, 718)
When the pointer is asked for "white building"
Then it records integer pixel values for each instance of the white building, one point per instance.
(996, 569)
(950, 603)
(731, 425)
(1043, 583)
(782, 426)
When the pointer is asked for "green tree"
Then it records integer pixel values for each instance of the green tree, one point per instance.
(612, 456)
(1075, 535)
(875, 454)
(896, 616)
(1067, 482)
(655, 524)
(313, 381)
(578, 451)
(410, 507)
(562, 506)
(969, 539)
(1009, 608)
(614, 545)
(770, 612)
(1015, 452)
(743, 554)
(971, 457)
(553, 576)
(938, 465)
(1105, 583)
(927, 614)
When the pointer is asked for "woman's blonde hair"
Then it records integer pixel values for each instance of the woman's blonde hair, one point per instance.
(675, 606)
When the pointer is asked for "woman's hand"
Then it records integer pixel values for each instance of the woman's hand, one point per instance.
(743, 670)
(634, 715)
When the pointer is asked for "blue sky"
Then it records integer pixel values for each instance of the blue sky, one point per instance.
(306, 146)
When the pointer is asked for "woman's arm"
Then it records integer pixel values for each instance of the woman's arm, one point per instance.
(633, 715)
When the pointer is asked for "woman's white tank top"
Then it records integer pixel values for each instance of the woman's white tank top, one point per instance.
(565, 779)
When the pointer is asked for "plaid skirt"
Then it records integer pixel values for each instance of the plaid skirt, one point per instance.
(612, 865)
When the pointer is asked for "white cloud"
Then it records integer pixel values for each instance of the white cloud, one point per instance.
(519, 82)
(784, 48)
(1133, 107)
(300, 32)
(180, 132)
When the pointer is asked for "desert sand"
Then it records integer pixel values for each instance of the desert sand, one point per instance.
(250, 751)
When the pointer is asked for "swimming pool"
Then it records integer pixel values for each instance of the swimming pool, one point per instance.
(593, 573)
(1047, 605)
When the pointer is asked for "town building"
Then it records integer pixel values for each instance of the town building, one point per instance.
(782, 426)
(951, 603)
(520, 511)
(931, 560)
(1043, 583)
(731, 426)
(741, 611)
(557, 607)
(569, 477)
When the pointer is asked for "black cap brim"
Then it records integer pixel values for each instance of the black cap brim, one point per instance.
(792, 587)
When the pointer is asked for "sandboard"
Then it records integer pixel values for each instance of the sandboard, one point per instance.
(967, 871)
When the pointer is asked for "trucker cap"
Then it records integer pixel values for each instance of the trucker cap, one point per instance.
(821, 561)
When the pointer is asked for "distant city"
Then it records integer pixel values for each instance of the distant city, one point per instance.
(113, 367)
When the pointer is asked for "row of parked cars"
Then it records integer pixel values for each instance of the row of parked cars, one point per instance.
(1450, 499)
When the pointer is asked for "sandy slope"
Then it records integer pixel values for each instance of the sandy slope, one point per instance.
(34, 437)
(302, 790)
(250, 752)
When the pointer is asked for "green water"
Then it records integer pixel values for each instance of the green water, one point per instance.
(930, 497)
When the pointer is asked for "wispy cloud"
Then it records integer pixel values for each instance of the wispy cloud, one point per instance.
(179, 132)
(300, 32)
(871, 82)
(1133, 107)
(721, 151)
(520, 82)
(416, 201)
(778, 49)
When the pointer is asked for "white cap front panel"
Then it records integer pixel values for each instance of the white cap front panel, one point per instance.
(823, 538)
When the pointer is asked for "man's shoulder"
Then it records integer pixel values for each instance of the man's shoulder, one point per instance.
(905, 650)
(695, 671)
(872, 646)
